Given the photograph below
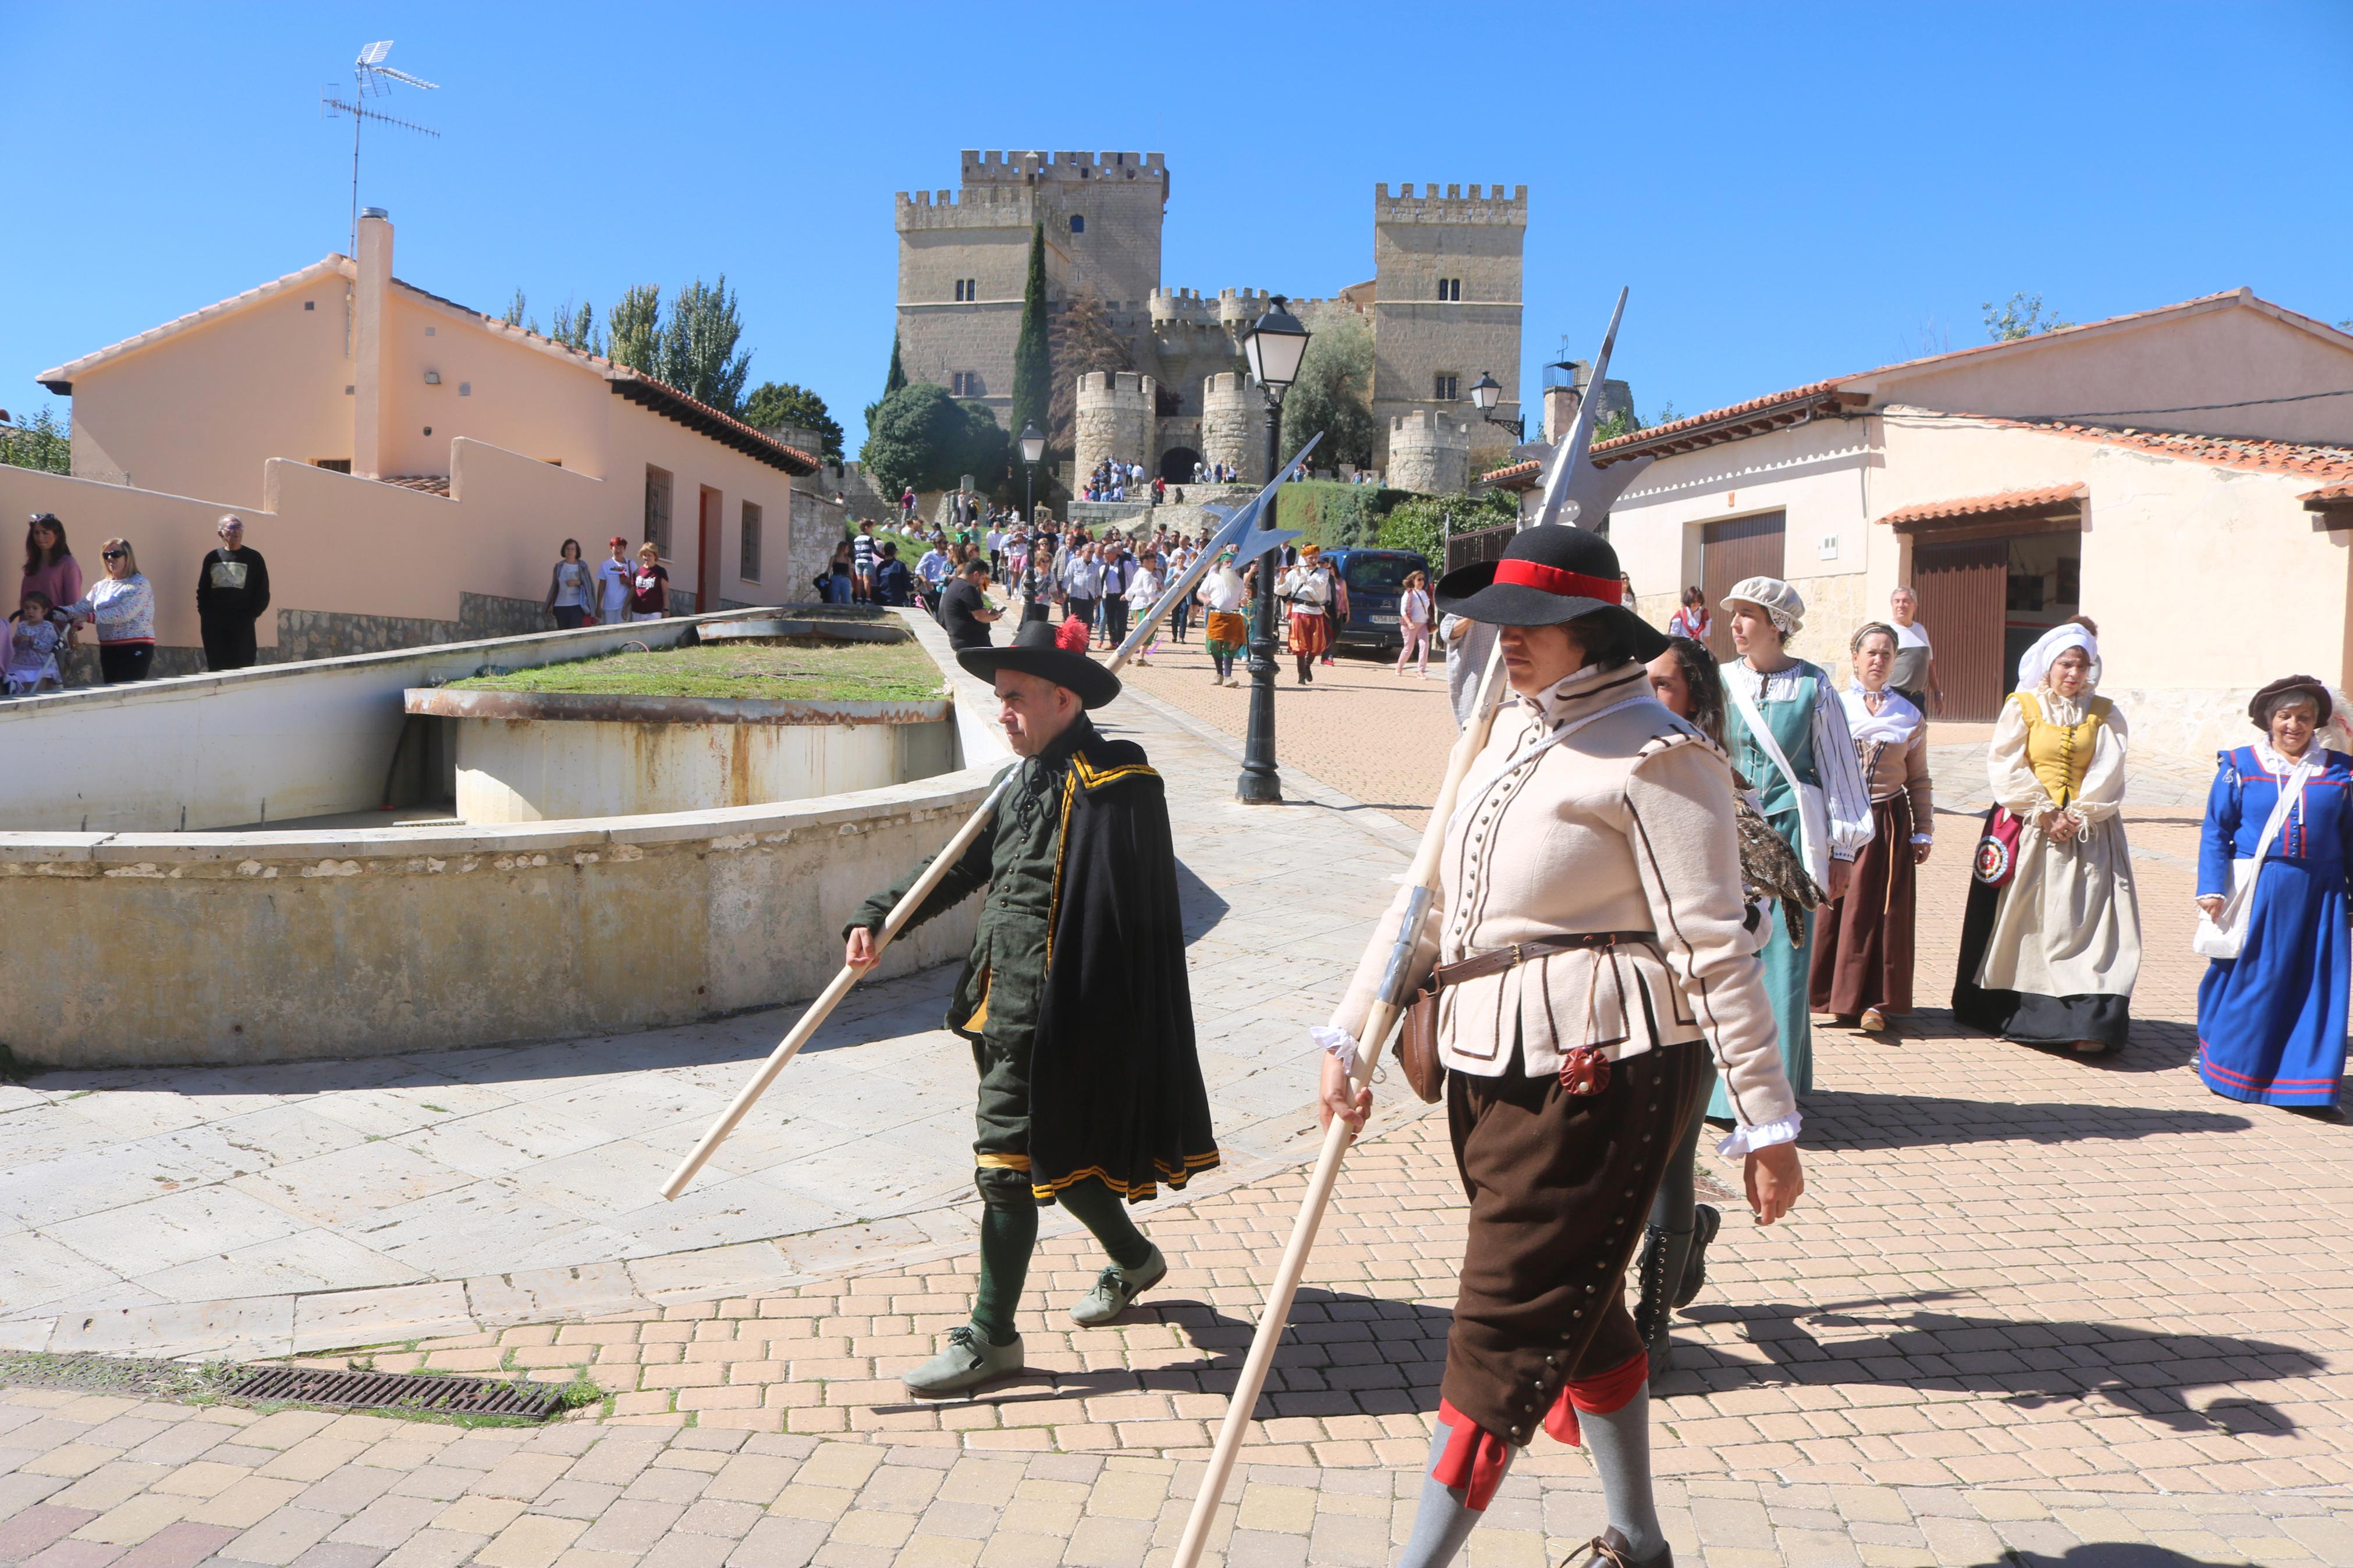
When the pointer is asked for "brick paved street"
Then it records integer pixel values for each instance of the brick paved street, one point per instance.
(2036, 1308)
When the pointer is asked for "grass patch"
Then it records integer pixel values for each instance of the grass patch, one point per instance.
(801, 672)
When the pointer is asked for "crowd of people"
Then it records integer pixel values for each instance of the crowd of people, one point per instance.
(55, 603)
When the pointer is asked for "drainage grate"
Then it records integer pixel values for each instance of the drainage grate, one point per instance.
(396, 1390)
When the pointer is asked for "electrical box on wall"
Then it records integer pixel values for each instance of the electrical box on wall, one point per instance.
(1829, 547)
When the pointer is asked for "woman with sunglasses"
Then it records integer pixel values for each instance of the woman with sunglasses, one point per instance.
(123, 606)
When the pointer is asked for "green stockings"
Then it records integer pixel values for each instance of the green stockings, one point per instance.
(1009, 1233)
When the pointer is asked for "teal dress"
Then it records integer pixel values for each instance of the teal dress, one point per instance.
(1792, 721)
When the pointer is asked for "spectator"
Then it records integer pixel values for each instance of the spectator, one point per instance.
(1413, 621)
(1082, 583)
(1142, 593)
(836, 583)
(2049, 956)
(1335, 607)
(649, 589)
(1692, 620)
(2271, 1020)
(123, 606)
(571, 590)
(964, 613)
(893, 585)
(934, 567)
(1861, 965)
(1118, 575)
(1914, 678)
(33, 643)
(907, 502)
(613, 575)
(49, 566)
(232, 594)
(862, 556)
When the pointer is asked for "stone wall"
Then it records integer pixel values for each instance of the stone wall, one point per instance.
(1233, 425)
(817, 528)
(329, 634)
(1115, 420)
(1429, 451)
(1418, 240)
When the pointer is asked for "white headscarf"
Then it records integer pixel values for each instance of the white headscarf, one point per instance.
(2034, 669)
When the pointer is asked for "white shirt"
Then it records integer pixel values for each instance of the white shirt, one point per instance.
(613, 586)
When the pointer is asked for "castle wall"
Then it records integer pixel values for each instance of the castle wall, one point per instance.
(1114, 421)
(1418, 241)
(1233, 425)
(1429, 451)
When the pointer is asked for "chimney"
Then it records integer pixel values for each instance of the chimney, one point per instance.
(370, 399)
(1559, 411)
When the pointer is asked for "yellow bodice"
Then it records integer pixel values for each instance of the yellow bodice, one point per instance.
(2059, 754)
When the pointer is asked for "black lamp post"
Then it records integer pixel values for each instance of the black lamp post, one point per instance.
(1485, 393)
(1275, 345)
(1033, 448)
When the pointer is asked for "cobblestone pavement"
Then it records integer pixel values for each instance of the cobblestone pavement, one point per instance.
(2036, 1308)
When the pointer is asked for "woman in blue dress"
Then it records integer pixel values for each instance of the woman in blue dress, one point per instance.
(2270, 1022)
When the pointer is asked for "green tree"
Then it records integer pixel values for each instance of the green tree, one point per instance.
(575, 328)
(1033, 370)
(774, 402)
(1421, 523)
(893, 382)
(513, 317)
(919, 436)
(1081, 340)
(42, 442)
(2022, 317)
(987, 448)
(635, 325)
(700, 355)
(1334, 392)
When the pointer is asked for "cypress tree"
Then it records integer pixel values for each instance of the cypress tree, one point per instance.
(1033, 376)
(898, 376)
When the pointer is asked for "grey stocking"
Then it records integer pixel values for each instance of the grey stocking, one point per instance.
(1442, 1520)
(1620, 1443)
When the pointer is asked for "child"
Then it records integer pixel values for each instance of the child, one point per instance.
(33, 646)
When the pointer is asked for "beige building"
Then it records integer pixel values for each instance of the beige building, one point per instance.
(1444, 299)
(409, 466)
(2178, 474)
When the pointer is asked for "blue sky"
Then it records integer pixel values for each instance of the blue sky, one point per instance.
(1792, 192)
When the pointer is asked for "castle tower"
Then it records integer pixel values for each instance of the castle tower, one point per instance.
(1429, 451)
(1233, 425)
(1115, 420)
(1446, 304)
(964, 257)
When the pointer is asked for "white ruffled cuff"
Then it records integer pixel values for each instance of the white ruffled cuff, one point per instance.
(1337, 1043)
(1749, 1139)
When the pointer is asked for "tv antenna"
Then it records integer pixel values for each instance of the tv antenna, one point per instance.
(372, 79)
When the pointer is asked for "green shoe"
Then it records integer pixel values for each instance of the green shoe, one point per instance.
(1116, 1290)
(967, 1362)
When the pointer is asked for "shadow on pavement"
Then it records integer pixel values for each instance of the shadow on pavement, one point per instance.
(2157, 1045)
(1859, 1118)
(2111, 1554)
(2028, 1363)
(1201, 906)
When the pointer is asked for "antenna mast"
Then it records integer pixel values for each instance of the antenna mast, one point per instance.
(372, 79)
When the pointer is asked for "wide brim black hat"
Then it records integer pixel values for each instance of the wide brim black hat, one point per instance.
(1550, 575)
(1035, 652)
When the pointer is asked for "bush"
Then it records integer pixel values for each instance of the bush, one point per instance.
(1334, 515)
(1422, 522)
(924, 437)
(42, 442)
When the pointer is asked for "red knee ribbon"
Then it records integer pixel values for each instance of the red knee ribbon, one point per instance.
(1475, 1459)
(1597, 1396)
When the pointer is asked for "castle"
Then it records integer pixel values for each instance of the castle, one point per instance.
(1444, 305)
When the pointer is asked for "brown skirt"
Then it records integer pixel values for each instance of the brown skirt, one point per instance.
(1559, 1187)
(1310, 634)
(1862, 943)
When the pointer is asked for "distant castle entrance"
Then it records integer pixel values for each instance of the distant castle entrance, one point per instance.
(1176, 464)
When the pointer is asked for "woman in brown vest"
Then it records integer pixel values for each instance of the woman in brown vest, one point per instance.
(2050, 940)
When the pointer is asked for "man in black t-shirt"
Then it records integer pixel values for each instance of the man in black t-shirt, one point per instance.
(965, 614)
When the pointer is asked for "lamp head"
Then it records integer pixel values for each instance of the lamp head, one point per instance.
(1485, 392)
(1033, 444)
(1275, 344)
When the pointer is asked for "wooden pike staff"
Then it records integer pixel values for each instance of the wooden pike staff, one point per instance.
(1389, 1005)
(1241, 533)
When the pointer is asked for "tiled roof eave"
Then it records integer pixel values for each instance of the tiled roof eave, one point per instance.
(2047, 501)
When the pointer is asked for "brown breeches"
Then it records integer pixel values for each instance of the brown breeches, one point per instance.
(1559, 1185)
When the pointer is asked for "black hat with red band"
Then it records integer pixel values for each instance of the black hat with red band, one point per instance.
(1548, 575)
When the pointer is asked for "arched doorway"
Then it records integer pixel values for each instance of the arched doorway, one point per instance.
(1176, 464)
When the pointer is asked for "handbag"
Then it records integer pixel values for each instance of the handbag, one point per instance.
(2223, 937)
(1813, 812)
(1997, 858)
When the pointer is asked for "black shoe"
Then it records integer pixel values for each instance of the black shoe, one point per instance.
(1706, 1220)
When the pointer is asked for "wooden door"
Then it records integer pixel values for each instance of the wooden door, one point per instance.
(1744, 547)
(1964, 590)
(706, 553)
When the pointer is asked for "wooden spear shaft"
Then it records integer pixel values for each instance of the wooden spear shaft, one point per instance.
(1423, 879)
(904, 910)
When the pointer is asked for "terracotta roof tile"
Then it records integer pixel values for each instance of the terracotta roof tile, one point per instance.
(2319, 462)
(2329, 495)
(1986, 506)
(1528, 470)
(430, 484)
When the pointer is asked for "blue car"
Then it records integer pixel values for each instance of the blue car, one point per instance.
(1375, 580)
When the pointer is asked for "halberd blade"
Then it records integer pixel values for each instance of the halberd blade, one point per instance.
(1569, 456)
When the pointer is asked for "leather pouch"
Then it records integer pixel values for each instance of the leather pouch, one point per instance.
(1417, 1044)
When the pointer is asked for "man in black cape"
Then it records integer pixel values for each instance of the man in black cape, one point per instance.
(1074, 998)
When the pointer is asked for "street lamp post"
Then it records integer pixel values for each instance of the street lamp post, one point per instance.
(1485, 393)
(1275, 346)
(1033, 448)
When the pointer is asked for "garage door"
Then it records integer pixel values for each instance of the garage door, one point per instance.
(1745, 547)
(1962, 590)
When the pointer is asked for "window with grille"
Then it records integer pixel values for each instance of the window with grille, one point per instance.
(1450, 288)
(1447, 386)
(658, 508)
(748, 564)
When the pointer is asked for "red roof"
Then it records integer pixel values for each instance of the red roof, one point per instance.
(1505, 476)
(2329, 495)
(2223, 451)
(2005, 503)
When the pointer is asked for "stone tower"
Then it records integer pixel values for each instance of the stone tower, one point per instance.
(1429, 451)
(964, 258)
(1115, 420)
(1446, 304)
(1233, 425)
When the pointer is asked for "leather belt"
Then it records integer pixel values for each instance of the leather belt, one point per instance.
(1497, 960)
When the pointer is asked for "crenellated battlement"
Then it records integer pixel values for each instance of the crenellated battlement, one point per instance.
(1099, 387)
(1033, 167)
(1423, 426)
(985, 207)
(1496, 206)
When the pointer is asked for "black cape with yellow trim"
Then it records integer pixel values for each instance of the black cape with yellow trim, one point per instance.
(1116, 1075)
